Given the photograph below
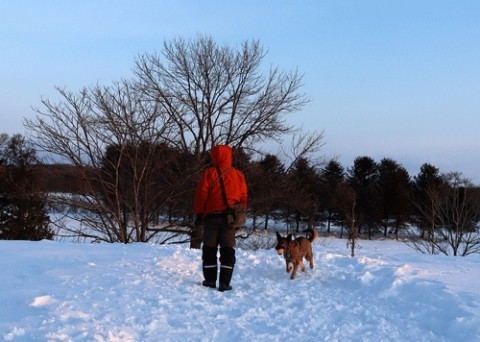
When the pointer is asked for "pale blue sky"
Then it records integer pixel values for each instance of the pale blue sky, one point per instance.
(397, 79)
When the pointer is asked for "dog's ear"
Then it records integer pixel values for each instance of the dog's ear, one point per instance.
(278, 236)
(290, 237)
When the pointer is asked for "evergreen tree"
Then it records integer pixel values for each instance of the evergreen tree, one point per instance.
(266, 187)
(394, 185)
(305, 193)
(428, 185)
(23, 214)
(333, 176)
(363, 178)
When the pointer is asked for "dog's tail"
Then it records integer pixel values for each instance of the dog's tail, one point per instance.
(312, 234)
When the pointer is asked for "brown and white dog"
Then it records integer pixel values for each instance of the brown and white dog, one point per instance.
(294, 250)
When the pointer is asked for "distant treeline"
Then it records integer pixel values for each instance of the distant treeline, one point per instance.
(138, 191)
(381, 197)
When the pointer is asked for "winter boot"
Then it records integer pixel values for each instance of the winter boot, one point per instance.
(209, 267)
(210, 276)
(226, 272)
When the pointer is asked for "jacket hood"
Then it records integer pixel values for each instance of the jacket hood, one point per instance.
(222, 156)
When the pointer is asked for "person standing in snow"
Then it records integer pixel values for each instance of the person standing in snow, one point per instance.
(211, 210)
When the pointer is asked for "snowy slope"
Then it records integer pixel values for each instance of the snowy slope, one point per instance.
(59, 291)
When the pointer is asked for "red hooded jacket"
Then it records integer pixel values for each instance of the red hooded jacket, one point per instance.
(209, 198)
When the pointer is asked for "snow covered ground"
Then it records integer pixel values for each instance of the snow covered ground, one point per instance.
(60, 291)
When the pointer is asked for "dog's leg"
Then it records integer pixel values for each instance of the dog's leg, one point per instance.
(310, 258)
(302, 264)
(294, 272)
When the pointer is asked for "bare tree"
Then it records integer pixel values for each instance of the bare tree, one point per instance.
(79, 130)
(215, 94)
(302, 146)
(461, 215)
(194, 95)
(454, 215)
(429, 212)
(346, 202)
